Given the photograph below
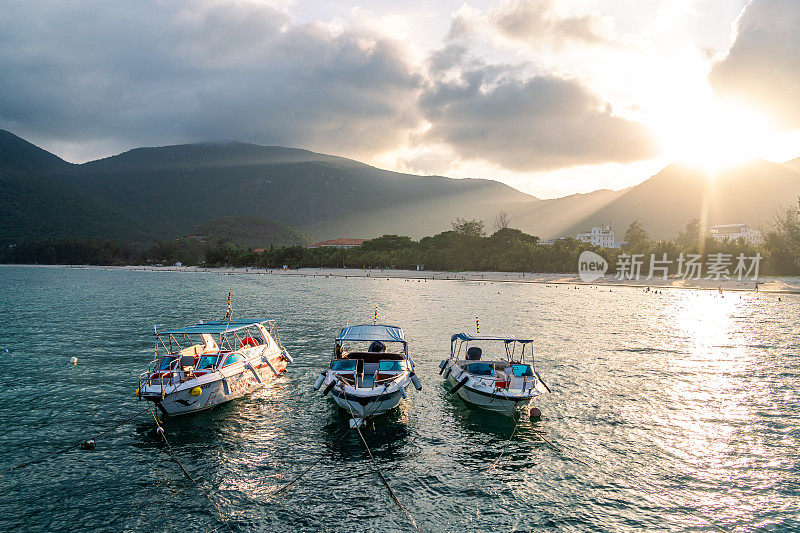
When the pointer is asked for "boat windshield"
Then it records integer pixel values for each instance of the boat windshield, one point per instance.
(234, 358)
(166, 362)
(343, 364)
(522, 370)
(207, 361)
(480, 369)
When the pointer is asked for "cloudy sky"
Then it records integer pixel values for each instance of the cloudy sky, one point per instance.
(550, 96)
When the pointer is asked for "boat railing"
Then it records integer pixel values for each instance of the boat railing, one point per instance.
(166, 377)
(340, 376)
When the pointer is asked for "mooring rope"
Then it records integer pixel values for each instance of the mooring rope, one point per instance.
(163, 435)
(386, 483)
(377, 468)
(288, 484)
(496, 461)
(77, 444)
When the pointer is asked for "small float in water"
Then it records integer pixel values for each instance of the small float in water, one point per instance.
(203, 365)
(367, 381)
(504, 382)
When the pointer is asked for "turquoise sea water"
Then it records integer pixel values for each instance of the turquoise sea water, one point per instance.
(669, 412)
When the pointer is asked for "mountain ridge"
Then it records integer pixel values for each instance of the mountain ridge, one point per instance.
(161, 193)
(167, 192)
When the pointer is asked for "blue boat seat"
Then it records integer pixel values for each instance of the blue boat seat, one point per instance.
(386, 366)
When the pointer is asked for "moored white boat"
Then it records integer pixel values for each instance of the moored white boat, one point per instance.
(504, 383)
(367, 381)
(203, 365)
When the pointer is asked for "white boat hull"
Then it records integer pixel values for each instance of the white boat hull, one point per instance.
(366, 403)
(503, 401)
(499, 403)
(216, 387)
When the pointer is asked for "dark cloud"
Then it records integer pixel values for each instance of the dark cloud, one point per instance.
(535, 123)
(93, 73)
(160, 72)
(762, 69)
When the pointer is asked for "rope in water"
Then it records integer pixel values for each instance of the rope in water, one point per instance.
(375, 465)
(386, 483)
(496, 461)
(163, 435)
(288, 484)
(77, 444)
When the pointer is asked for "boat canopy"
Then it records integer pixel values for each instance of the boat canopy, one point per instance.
(467, 337)
(370, 332)
(213, 328)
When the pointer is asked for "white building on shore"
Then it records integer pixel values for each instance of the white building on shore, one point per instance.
(598, 236)
(732, 232)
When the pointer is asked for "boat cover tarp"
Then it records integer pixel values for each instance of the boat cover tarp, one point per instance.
(467, 337)
(213, 328)
(370, 332)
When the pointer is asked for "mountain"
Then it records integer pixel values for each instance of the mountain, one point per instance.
(35, 202)
(283, 195)
(794, 164)
(251, 232)
(556, 217)
(18, 155)
(180, 187)
(167, 192)
(748, 194)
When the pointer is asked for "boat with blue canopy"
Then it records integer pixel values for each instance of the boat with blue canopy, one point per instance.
(494, 373)
(369, 371)
(202, 365)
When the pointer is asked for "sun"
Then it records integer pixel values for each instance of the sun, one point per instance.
(719, 136)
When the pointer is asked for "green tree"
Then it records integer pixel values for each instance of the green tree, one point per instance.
(782, 241)
(636, 237)
(469, 228)
(690, 238)
(387, 243)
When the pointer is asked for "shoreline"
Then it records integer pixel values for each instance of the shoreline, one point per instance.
(767, 284)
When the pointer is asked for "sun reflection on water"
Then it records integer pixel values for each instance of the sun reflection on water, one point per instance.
(710, 437)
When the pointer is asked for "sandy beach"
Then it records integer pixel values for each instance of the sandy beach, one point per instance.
(767, 284)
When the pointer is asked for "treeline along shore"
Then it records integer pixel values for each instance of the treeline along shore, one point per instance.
(465, 247)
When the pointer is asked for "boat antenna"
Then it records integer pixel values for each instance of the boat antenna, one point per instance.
(477, 325)
(375, 320)
(228, 314)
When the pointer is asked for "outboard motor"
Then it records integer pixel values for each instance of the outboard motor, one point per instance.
(474, 354)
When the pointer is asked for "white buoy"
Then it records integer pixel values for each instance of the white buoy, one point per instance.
(318, 383)
(415, 380)
(74, 360)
